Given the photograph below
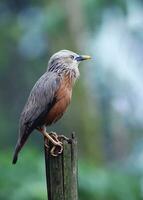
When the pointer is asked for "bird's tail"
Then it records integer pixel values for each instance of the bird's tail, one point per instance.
(19, 145)
(16, 151)
(15, 156)
(15, 159)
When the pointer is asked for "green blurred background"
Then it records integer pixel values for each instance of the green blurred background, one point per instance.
(106, 110)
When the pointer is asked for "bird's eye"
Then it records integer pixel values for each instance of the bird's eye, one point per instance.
(72, 57)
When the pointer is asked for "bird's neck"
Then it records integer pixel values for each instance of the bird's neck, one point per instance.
(70, 75)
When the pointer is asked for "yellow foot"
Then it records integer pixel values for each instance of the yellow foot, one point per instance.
(55, 144)
(58, 148)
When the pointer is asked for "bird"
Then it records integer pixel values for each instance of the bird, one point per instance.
(49, 99)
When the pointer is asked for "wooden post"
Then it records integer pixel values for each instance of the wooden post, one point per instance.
(61, 172)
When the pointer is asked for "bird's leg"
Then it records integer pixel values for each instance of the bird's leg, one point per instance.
(53, 138)
(56, 137)
(54, 141)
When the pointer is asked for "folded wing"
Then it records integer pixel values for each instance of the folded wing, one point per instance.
(39, 103)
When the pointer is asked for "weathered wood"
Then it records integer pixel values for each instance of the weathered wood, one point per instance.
(61, 172)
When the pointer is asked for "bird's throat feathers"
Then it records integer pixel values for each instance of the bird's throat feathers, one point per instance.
(72, 73)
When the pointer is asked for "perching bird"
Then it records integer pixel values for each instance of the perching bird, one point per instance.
(49, 97)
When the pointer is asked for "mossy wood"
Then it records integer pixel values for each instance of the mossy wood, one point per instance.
(61, 173)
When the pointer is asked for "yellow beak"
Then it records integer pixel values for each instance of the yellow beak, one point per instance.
(83, 57)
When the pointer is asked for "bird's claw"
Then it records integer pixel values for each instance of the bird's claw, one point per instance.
(54, 136)
(57, 149)
(62, 138)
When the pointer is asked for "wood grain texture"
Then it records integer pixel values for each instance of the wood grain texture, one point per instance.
(61, 173)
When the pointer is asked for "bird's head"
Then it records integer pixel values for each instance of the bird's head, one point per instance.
(66, 60)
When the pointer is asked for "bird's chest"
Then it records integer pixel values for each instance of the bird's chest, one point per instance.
(63, 98)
